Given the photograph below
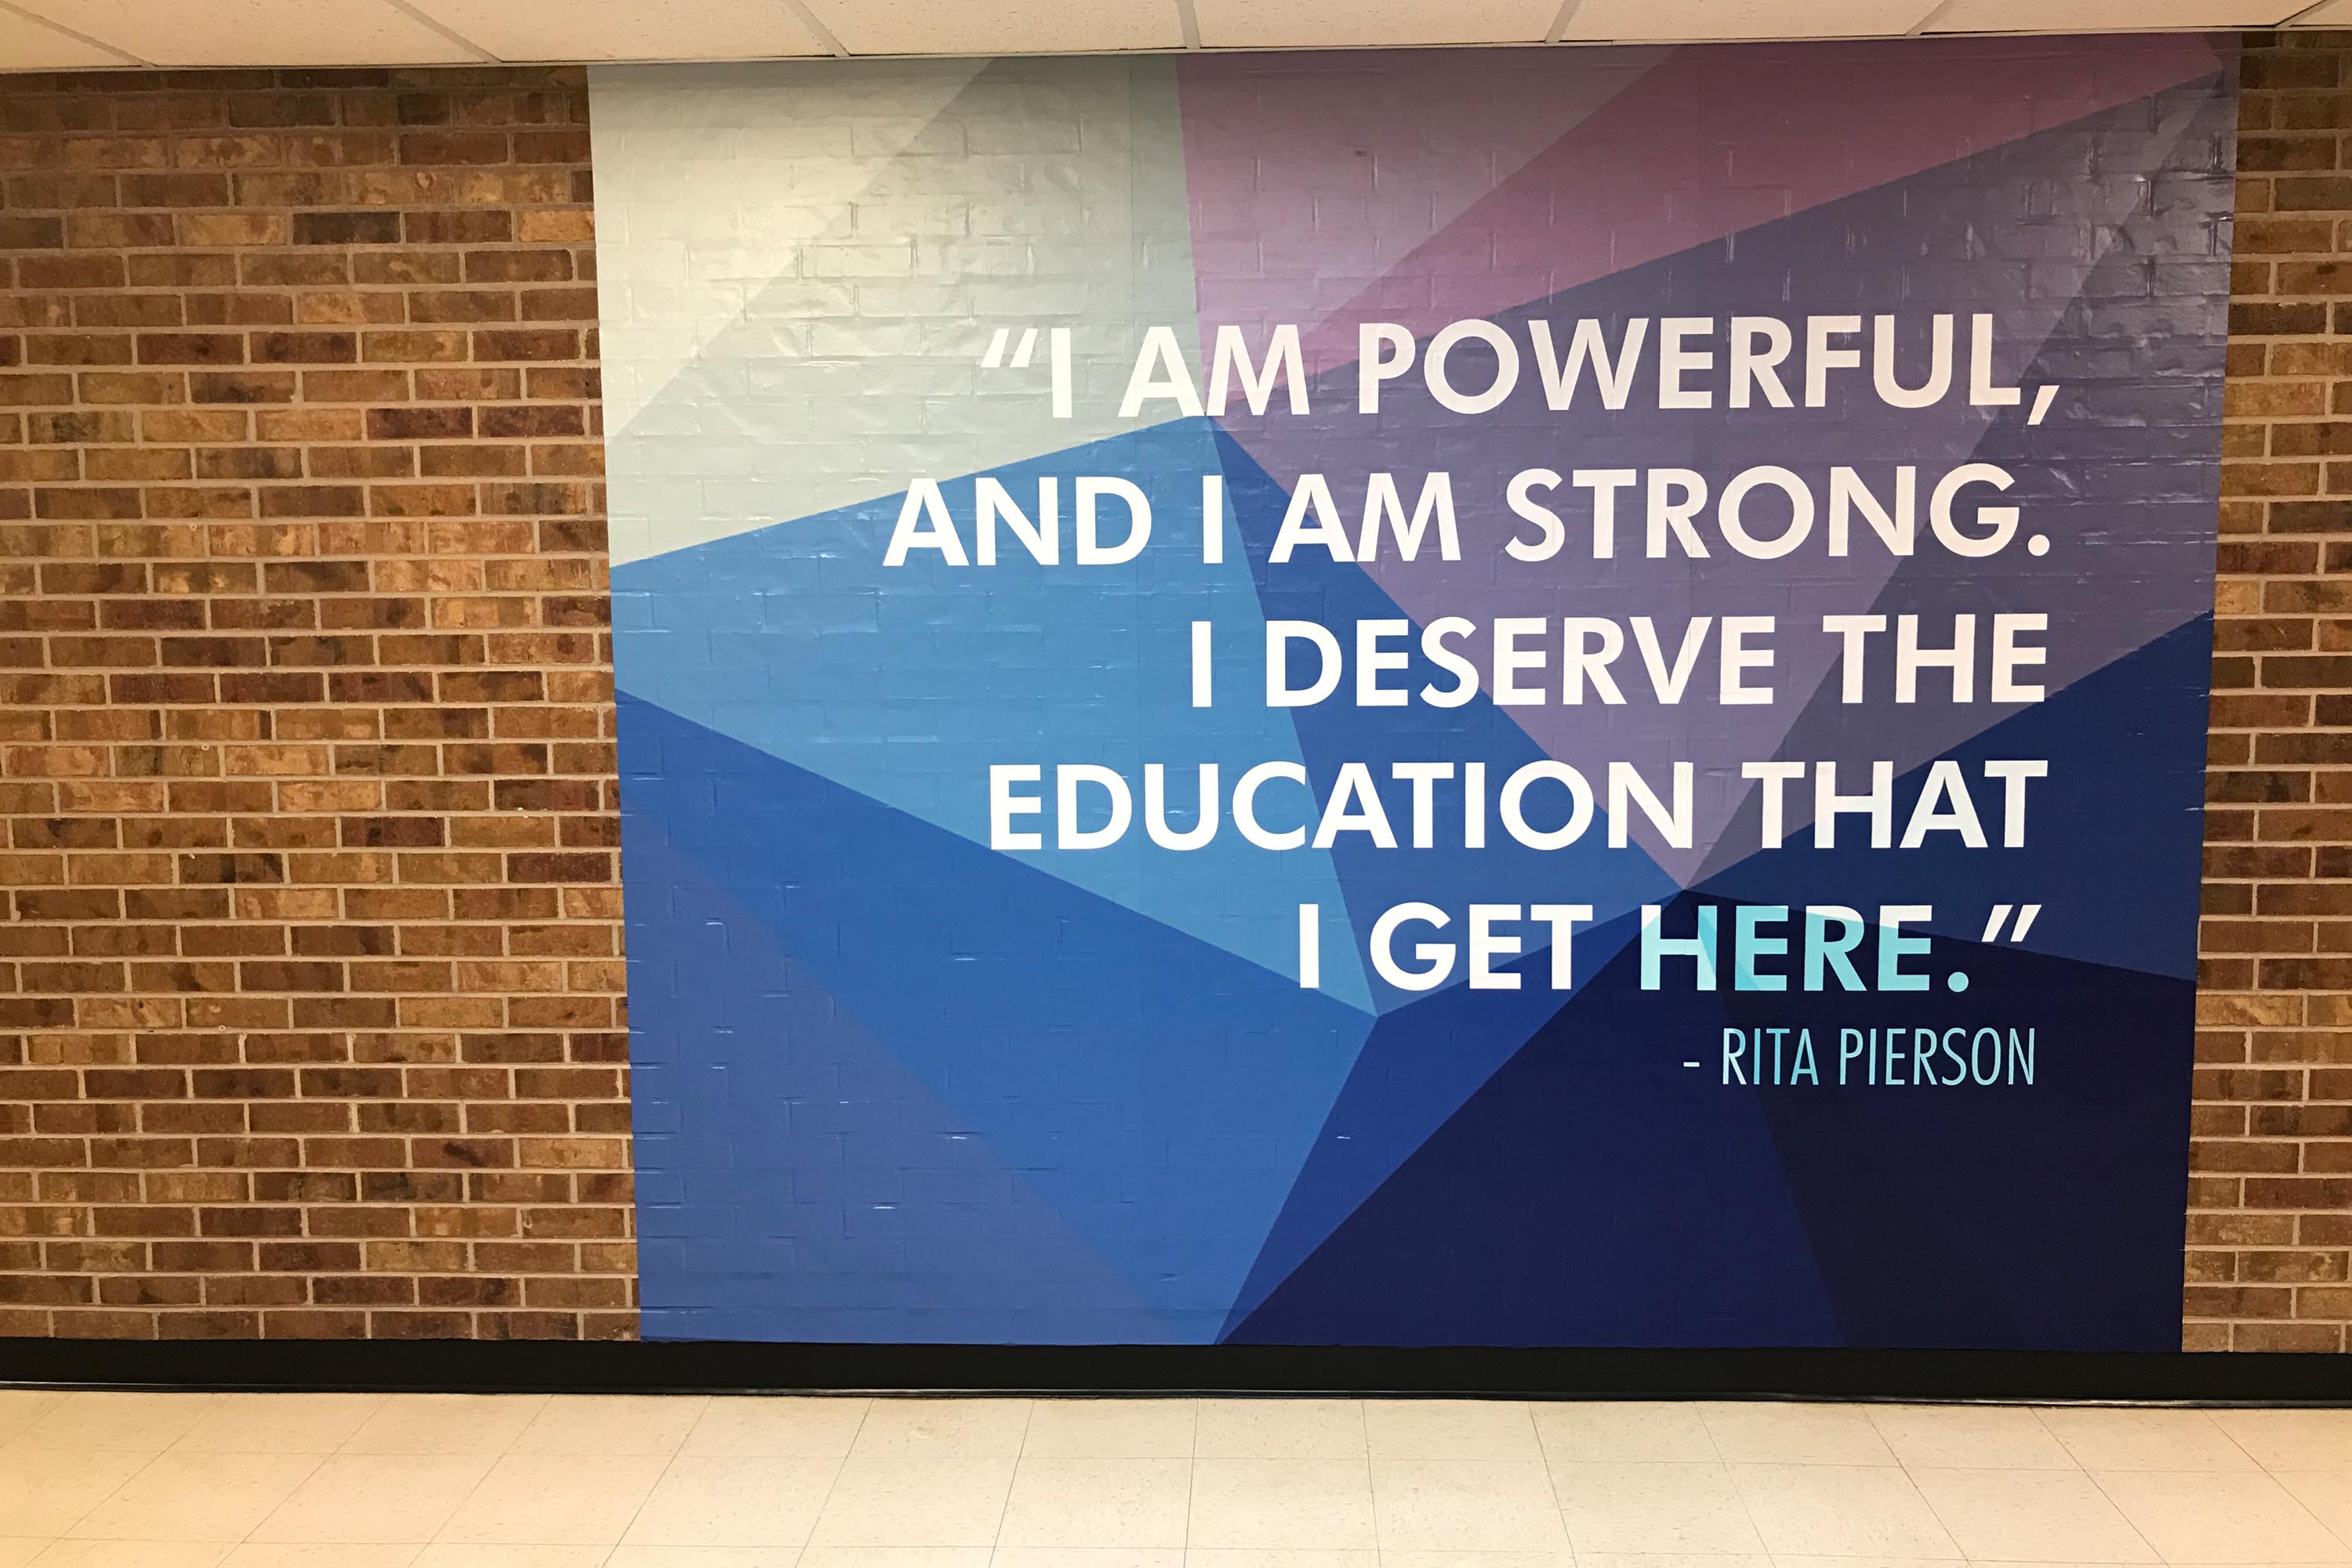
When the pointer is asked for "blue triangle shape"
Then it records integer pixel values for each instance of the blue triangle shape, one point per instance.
(907, 683)
(1160, 1093)
(796, 1182)
(1311, 586)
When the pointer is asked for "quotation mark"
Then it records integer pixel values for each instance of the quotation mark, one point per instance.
(1057, 355)
(1958, 980)
(2001, 914)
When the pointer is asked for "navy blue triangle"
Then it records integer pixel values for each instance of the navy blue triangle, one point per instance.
(1595, 1191)
(2113, 841)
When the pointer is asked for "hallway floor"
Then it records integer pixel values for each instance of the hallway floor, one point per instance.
(192, 1480)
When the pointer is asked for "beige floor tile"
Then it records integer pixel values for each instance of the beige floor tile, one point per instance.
(2112, 1440)
(133, 1555)
(895, 1557)
(1477, 1560)
(196, 1497)
(1087, 1557)
(2292, 1439)
(1110, 1429)
(1774, 1432)
(611, 1424)
(2011, 1516)
(1280, 1557)
(2220, 1516)
(703, 1557)
(732, 1501)
(146, 1423)
(477, 1555)
(1076, 1483)
(1622, 1431)
(554, 1499)
(781, 1427)
(485, 1423)
(1279, 1430)
(1450, 1430)
(1320, 1503)
(1969, 1437)
(1841, 1511)
(890, 1501)
(45, 1491)
(287, 1554)
(943, 1429)
(15, 1551)
(19, 1407)
(1465, 1505)
(281, 1423)
(1652, 1506)
(375, 1497)
(2327, 1493)
(1098, 1503)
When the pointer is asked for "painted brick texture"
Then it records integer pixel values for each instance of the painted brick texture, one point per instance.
(310, 975)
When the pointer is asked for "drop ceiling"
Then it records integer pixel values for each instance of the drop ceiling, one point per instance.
(40, 35)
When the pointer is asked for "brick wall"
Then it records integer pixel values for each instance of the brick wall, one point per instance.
(2270, 1220)
(309, 978)
(309, 983)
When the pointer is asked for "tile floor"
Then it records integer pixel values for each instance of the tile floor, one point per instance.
(150, 1481)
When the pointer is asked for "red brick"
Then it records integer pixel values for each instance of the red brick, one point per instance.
(236, 813)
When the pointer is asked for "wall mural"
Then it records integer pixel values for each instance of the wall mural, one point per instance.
(1535, 696)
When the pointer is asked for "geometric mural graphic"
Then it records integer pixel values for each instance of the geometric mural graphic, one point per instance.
(893, 1084)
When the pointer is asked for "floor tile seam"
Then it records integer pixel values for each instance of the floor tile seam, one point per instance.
(2072, 1467)
(1005, 1504)
(540, 1400)
(841, 1463)
(2162, 1556)
(1919, 1494)
(668, 1464)
(153, 1459)
(2343, 1541)
(318, 1462)
(441, 1530)
(1738, 1492)
(816, 1516)
(545, 1402)
(2184, 1415)
(799, 1548)
(1191, 1471)
(101, 1501)
(1558, 1502)
(2154, 1556)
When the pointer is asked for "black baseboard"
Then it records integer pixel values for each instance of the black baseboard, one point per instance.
(538, 1365)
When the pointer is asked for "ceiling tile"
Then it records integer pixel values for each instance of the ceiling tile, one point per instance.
(255, 32)
(999, 27)
(2104, 15)
(1660, 21)
(29, 45)
(1362, 23)
(2334, 14)
(627, 30)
